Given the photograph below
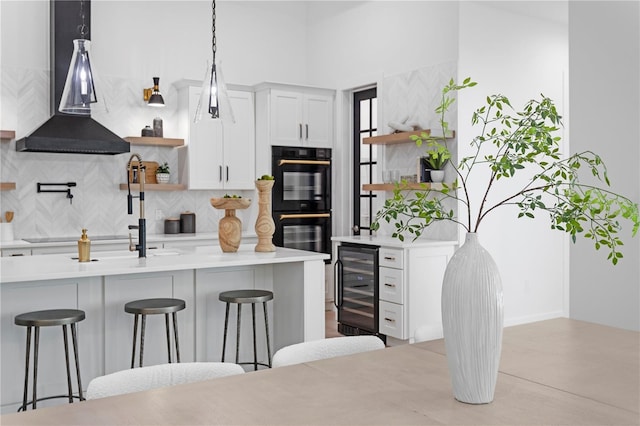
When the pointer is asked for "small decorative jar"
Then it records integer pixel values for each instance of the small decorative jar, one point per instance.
(157, 127)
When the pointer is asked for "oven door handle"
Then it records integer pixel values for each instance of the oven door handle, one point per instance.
(305, 162)
(304, 216)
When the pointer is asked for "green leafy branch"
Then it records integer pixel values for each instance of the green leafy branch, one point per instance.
(507, 144)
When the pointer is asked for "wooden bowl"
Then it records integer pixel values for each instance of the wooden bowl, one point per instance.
(231, 203)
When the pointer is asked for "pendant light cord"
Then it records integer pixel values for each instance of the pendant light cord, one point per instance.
(82, 28)
(213, 30)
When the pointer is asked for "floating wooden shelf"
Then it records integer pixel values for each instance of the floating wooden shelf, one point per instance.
(150, 141)
(7, 186)
(401, 137)
(7, 135)
(156, 186)
(403, 186)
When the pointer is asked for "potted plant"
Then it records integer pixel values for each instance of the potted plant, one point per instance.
(163, 173)
(507, 143)
(436, 159)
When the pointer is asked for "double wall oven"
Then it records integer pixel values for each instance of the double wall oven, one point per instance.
(301, 198)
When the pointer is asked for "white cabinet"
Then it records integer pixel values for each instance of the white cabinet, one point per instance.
(300, 119)
(219, 154)
(410, 288)
(292, 115)
(16, 252)
(391, 283)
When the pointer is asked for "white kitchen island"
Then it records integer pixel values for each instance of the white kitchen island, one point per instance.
(103, 286)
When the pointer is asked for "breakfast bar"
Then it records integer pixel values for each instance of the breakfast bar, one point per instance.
(103, 286)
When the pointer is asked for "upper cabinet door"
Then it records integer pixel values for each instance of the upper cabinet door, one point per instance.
(219, 154)
(239, 143)
(318, 121)
(205, 149)
(286, 118)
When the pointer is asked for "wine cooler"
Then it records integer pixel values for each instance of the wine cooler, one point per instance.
(356, 292)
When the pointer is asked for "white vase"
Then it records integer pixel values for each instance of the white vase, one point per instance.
(472, 320)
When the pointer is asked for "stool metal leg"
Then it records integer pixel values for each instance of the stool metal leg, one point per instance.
(74, 340)
(166, 324)
(175, 335)
(238, 333)
(66, 359)
(144, 322)
(226, 325)
(135, 334)
(35, 366)
(255, 350)
(26, 371)
(266, 325)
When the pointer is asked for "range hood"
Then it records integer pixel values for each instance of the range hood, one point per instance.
(66, 133)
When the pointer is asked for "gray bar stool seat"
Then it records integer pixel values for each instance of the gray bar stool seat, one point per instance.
(50, 318)
(146, 307)
(247, 296)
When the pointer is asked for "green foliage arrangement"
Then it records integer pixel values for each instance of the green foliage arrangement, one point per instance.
(164, 168)
(507, 143)
(437, 155)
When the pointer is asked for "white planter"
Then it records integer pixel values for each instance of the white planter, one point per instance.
(472, 319)
(437, 175)
(162, 177)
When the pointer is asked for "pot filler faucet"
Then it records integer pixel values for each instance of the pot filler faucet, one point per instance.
(141, 227)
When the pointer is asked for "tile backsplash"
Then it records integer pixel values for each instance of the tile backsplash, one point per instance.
(98, 204)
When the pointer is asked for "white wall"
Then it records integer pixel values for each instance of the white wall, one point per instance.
(357, 43)
(605, 108)
(520, 64)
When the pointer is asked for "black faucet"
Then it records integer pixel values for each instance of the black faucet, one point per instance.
(141, 247)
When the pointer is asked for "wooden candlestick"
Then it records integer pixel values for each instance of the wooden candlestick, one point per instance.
(265, 226)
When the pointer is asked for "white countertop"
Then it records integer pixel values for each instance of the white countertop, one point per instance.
(388, 241)
(59, 266)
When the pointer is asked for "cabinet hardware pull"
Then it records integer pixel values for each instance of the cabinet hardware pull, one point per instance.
(389, 319)
(17, 254)
(318, 162)
(389, 285)
(300, 125)
(227, 173)
(389, 258)
(304, 216)
(307, 130)
(220, 173)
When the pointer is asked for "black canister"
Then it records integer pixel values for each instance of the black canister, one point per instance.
(188, 223)
(172, 225)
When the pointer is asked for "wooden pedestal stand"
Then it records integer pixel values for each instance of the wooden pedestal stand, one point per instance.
(264, 223)
(230, 227)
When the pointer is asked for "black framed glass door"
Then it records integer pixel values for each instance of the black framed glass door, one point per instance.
(365, 124)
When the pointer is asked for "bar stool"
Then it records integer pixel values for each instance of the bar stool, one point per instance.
(247, 296)
(146, 307)
(49, 318)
